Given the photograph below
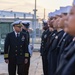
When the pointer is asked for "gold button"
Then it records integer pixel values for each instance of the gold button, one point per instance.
(20, 53)
(16, 50)
(21, 46)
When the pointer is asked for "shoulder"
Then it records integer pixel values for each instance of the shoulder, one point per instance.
(44, 32)
(62, 31)
(25, 34)
(69, 36)
(9, 34)
(47, 30)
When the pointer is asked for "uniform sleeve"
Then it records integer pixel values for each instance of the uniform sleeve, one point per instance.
(42, 42)
(6, 47)
(26, 48)
(28, 38)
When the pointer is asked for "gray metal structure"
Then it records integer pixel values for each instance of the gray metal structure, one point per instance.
(5, 27)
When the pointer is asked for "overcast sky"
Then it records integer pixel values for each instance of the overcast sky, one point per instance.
(28, 5)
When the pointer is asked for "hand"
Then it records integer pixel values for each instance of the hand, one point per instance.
(7, 61)
(26, 61)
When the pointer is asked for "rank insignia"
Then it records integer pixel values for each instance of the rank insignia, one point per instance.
(45, 36)
(53, 34)
(23, 38)
(63, 39)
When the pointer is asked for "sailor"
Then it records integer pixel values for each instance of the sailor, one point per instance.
(16, 50)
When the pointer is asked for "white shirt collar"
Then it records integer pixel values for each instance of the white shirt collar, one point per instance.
(60, 30)
(16, 33)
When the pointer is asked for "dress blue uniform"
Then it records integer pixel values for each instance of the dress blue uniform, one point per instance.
(16, 51)
(52, 56)
(49, 41)
(70, 61)
(42, 50)
(44, 38)
(70, 67)
(26, 25)
(65, 58)
(63, 43)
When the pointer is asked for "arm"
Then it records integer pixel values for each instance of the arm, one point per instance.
(26, 48)
(6, 48)
(28, 38)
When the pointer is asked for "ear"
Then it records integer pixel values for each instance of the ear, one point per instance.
(13, 28)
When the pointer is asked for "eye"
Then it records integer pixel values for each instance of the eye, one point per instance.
(71, 13)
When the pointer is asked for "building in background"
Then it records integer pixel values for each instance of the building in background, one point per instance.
(7, 17)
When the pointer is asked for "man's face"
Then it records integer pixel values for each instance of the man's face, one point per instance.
(18, 28)
(55, 23)
(62, 21)
(70, 22)
(49, 22)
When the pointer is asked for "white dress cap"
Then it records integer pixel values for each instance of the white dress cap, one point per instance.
(16, 22)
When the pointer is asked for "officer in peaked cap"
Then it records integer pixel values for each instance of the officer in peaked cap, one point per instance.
(26, 24)
(25, 29)
(16, 50)
(18, 23)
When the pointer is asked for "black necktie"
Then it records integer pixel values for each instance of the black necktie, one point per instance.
(18, 35)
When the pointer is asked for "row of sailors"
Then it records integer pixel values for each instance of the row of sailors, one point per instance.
(58, 44)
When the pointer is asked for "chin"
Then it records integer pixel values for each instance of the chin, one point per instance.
(66, 30)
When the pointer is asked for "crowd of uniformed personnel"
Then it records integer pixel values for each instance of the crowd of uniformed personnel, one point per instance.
(58, 44)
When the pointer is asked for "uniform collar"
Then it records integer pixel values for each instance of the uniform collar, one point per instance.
(60, 30)
(16, 33)
(64, 34)
(74, 39)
